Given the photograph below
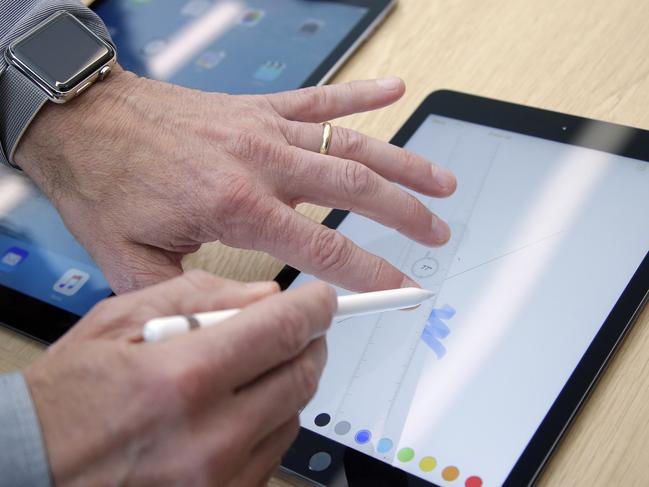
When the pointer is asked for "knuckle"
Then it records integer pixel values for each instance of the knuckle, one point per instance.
(413, 212)
(306, 375)
(353, 143)
(329, 250)
(377, 279)
(247, 145)
(314, 98)
(408, 162)
(272, 154)
(237, 197)
(189, 383)
(218, 461)
(324, 297)
(282, 128)
(294, 332)
(358, 178)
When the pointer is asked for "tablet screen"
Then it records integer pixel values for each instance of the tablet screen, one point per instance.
(231, 46)
(38, 256)
(546, 237)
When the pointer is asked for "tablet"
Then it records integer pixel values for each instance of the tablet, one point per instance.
(546, 269)
(237, 46)
(47, 280)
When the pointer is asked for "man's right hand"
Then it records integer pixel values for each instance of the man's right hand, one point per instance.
(217, 406)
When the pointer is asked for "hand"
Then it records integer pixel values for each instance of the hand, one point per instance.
(217, 406)
(143, 172)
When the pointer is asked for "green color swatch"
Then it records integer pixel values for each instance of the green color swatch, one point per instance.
(406, 454)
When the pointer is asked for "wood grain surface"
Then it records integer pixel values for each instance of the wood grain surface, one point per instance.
(584, 57)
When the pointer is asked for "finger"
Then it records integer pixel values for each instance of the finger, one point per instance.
(193, 292)
(326, 253)
(346, 184)
(393, 163)
(271, 450)
(263, 336)
(274, 398)
(266, 456)
(266, 481)
(317, 104)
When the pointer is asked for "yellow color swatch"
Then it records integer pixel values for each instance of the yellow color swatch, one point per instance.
(427, 464)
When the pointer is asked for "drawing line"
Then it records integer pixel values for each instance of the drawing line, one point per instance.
(505, 255)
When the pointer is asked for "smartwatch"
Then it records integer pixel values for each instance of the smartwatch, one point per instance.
(56, 60)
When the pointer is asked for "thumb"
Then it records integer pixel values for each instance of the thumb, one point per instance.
(130, 266)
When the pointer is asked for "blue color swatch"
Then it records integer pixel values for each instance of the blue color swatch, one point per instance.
(385, 445)
(362, 437)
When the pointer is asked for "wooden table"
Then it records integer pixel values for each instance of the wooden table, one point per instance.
(585, 57)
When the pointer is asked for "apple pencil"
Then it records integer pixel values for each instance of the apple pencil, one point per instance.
(159, 329)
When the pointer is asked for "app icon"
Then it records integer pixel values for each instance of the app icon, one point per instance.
(210, 59)
(252, 17)
(12, 258)
(310, 27)
(195, 8)
(269, 71)
(154, 47)
(70, 282)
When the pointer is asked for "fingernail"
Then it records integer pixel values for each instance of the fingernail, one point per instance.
(444, 178)
(262, 287)
(407, 282)
(441, 231)
(392, 83)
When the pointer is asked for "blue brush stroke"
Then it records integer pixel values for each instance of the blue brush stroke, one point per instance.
(436, 330)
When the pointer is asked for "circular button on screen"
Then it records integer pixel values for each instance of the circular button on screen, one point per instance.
(320, 461)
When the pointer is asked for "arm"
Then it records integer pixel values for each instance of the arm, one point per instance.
(23, 460)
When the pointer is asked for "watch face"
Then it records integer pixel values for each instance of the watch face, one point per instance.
(61, 52)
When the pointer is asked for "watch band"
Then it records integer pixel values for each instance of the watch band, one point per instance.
(17, 18)
(20, 102)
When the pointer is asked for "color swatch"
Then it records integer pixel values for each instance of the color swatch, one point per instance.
(342, 428)
(427, 464)
(322, 419)
(450, 473)
(384, 445)
(406, 454)
(362, 437)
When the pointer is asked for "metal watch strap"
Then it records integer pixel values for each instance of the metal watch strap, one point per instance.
(20, 102)
(18, 108)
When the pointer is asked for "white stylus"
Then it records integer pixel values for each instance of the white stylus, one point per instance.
(159, 329)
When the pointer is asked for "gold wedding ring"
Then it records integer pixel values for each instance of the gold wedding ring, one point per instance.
(327, 132)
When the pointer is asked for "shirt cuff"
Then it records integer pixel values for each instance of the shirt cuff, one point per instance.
(23, 460)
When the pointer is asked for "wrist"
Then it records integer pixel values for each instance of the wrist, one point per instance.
(61, 136)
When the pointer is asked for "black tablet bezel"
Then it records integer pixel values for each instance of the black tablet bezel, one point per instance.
(376, 13)
(362, 470)
(33, 318)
